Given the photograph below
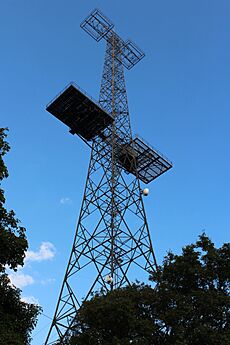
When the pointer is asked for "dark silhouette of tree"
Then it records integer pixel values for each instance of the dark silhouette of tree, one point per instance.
(193, 301)
(189, 304)
(17, 318)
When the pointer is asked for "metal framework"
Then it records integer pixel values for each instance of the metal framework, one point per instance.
(112, 245)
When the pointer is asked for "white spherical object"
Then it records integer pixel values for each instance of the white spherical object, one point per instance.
(109, 279)
(145, 191)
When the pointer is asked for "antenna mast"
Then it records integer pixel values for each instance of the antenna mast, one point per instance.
(112, 246)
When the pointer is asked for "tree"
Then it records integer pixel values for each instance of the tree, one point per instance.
(193, 301)
(121, 317)
(17, 318)
(189, 304)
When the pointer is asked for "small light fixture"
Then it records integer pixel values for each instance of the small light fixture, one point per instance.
(108, 279)
(145, 192)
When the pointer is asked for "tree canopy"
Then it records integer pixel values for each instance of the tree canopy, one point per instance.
(17, 318)
(189, 304)
(192, 289)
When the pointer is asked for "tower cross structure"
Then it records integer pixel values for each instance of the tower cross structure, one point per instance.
(112, 245)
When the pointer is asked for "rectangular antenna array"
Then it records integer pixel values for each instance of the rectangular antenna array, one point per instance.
(131, 54)
(97, 25)
(80, 113)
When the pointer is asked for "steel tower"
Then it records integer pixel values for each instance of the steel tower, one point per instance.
(112, 245)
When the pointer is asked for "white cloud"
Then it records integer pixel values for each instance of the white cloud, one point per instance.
(46, 252)
(21, 280)
(48, 281)
(65, 201)
(30, 299)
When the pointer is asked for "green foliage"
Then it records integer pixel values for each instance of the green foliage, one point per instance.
(4, 148)
(17, 318)
(13, 243)
(192, 290)
(121, 316)
(189, 305)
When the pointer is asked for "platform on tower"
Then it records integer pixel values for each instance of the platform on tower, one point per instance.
(139, 157)
(79, 112)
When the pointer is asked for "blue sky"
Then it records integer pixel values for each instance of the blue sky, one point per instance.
(178, 100)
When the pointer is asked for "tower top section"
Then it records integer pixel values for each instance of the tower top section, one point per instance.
(98, 26)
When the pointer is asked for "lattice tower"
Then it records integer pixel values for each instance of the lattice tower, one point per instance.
(112, 245)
